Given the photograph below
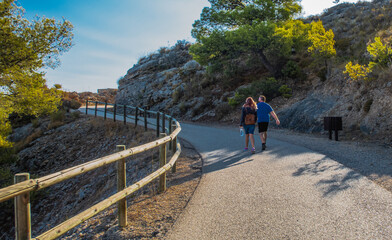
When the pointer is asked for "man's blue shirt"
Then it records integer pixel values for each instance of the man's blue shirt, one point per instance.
(263, 110)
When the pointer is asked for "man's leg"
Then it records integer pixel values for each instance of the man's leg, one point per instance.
(263, 137)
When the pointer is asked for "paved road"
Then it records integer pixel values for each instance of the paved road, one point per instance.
(285, 192)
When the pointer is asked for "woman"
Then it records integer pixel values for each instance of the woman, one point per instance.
(248, 121)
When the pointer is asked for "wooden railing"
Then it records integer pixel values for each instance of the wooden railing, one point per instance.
(20, 191)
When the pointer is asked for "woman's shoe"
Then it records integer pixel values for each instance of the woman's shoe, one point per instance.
(253, 150)
(245, 149)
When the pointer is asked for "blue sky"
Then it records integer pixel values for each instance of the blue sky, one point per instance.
(110, 36)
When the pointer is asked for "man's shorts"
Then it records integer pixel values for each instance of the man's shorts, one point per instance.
(249, 129)
(263, 126)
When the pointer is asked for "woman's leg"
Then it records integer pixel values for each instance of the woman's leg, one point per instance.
(246, 140)
(252, 140)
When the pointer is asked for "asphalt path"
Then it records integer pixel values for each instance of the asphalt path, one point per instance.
(285, 192)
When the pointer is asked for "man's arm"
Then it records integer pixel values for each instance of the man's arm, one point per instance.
(276, 117)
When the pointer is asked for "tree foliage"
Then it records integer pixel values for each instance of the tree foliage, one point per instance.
(381, 57)
(322, 41)
(230, 28)
(25, 48)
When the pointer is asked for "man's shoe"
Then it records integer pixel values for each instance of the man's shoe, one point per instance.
(263, 146)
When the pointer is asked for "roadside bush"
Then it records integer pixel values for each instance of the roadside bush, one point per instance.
(268, 87)
(285, 91)
(75, 115)
(70, 104)
(222, 110)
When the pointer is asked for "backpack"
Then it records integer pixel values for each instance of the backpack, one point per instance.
(250, 119)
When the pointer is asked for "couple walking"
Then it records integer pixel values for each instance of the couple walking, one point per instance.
(259, 113)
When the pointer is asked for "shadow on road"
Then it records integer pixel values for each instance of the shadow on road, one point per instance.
(227, 162)
(335, 176)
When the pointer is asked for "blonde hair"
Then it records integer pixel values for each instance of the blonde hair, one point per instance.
(263, 98)
(250, 102)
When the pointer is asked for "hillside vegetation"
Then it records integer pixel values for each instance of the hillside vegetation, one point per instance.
(338, 63)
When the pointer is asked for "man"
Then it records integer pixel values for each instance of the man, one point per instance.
(263, 117)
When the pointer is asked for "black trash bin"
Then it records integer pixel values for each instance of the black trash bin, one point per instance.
(333, 124)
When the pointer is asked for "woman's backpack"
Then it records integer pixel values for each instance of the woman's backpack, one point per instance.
(250, 119)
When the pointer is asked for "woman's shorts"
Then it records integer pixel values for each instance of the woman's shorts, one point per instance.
(249, 129)
(263, 126)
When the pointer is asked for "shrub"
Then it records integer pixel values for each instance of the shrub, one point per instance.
(58, 116)
(367, 105)
(292, 70)
(322, 74)
(35, 122)
(285, 91)
(268, 87)
(235, 101)
(222, 110)
(75, 114)
(7, 156)
(343, 44)
(70, 104)
(183, 108)
(177, 94)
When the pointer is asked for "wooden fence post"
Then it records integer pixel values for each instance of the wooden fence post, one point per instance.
(106, 108)
(162, 162)
(114, 112)
(22, 210)
(145, 120)
(86, 106)
(157, 124)
(163, 123)
(125, 114)
(136, 115)
(121, 184)
(174, 149)
(96, 109)
(170, 130)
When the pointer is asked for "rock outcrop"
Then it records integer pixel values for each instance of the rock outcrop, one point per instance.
(170, 81)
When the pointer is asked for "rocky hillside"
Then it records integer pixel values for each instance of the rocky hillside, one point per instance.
(50, 148)
(47, 146)
(170, 81)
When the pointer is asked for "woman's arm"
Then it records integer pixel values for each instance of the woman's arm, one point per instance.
(242, 117)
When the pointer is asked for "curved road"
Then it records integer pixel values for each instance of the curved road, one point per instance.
(285, 192)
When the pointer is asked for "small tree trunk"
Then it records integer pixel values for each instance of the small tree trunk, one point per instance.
(266, 63)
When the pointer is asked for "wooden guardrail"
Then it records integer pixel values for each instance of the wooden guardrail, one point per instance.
(20, 191)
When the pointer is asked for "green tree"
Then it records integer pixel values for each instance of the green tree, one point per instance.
(25, 48)
(322, 43)
(230, 28)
